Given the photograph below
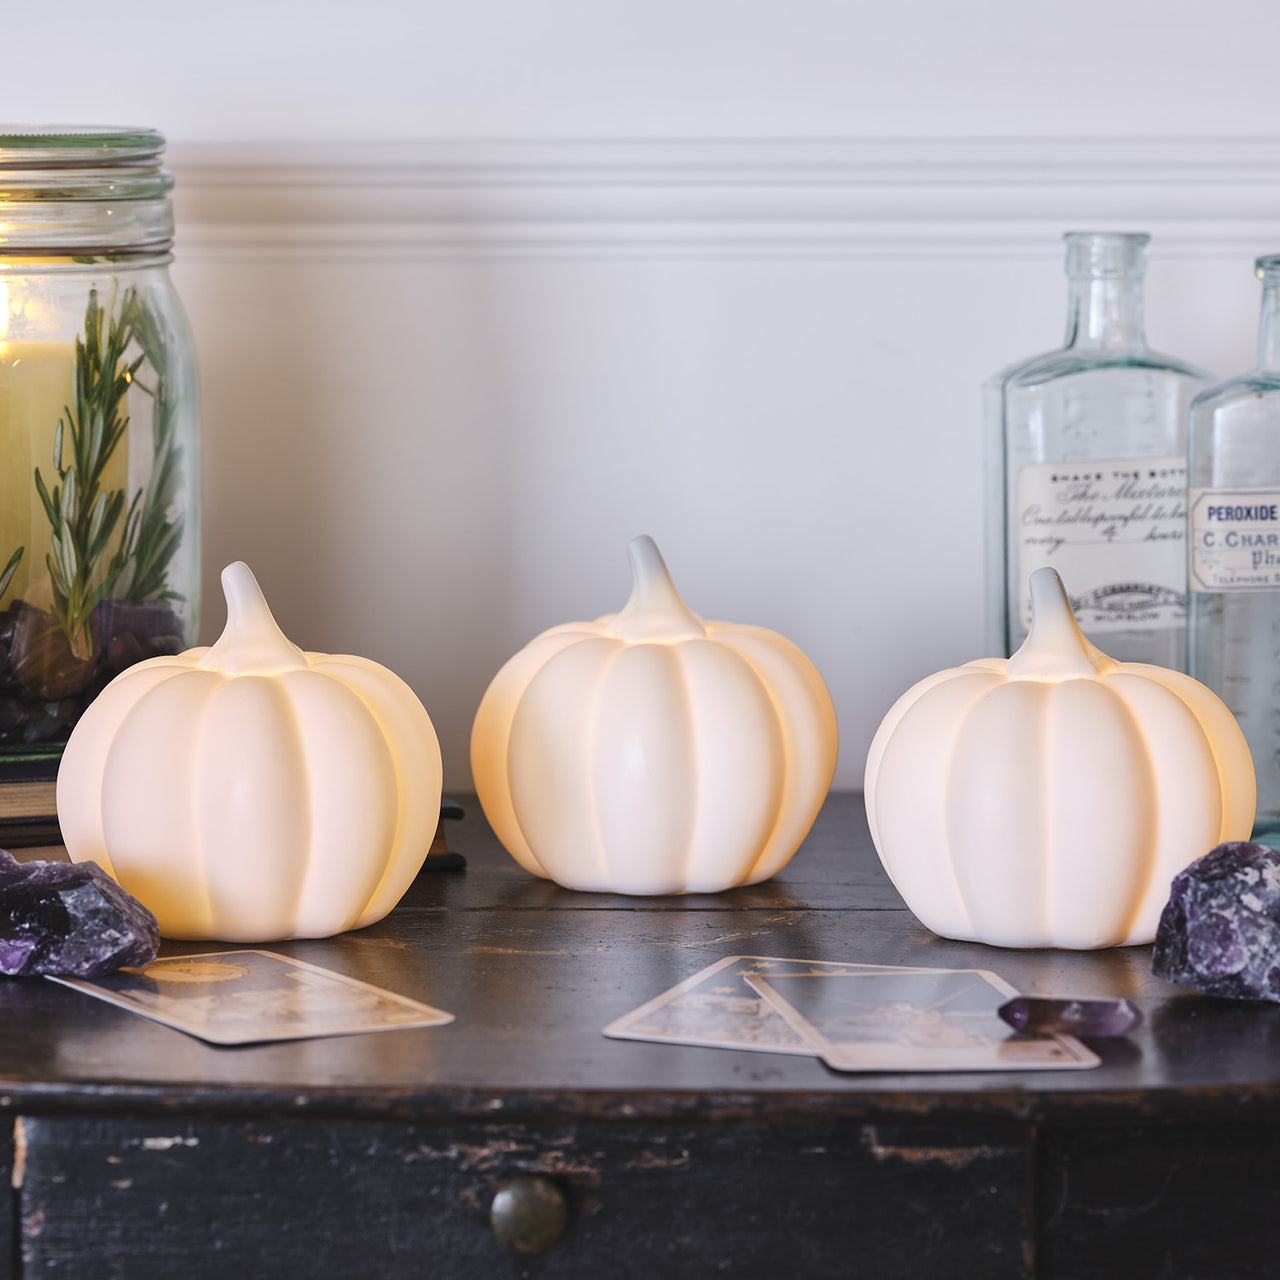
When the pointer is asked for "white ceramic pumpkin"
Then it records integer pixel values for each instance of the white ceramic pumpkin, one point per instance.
(250, 791)
(650, 752)
(1048, 799)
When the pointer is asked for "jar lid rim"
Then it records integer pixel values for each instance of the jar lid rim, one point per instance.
(38, 144)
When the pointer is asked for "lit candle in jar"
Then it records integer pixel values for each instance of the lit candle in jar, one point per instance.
(99, 426)
(36, 390)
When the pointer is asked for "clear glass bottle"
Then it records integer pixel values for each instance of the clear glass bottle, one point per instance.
(1086, 468)
(99, 421)
(1233, 632)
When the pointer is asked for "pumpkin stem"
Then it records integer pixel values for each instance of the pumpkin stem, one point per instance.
(1055, 647)
(655, 610)
(251, 643)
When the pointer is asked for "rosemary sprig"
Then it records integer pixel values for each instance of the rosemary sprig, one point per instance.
(82, 515)
(6, 574)
(151, 538)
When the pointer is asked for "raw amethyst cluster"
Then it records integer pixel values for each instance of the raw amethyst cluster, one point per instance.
(1220, 932)
(69, 919)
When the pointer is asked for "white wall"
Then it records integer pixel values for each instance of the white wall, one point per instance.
(446, 381)
(302, 69)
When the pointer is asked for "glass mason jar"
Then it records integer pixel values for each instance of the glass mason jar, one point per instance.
(1233, 632)
(99, 427)
(1086, 468)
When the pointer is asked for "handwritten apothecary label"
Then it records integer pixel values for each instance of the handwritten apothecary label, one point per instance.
(1235, 539)
(1115, 531)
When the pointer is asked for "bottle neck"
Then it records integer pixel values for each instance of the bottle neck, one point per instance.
(1105, 313)
(1269, 326)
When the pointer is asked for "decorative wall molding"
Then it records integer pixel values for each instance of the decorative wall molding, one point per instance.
(771, 198)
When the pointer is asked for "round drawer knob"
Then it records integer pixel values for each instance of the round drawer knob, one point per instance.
(529, 1214)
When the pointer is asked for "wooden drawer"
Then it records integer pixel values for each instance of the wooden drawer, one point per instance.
(7, 1211)
(1183, 1202)
(211, 1199)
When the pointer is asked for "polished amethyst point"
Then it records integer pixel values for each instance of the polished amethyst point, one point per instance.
(1220, 931)
(70, 919)
(1099, 1018)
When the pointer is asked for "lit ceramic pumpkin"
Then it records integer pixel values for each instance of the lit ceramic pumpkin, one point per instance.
(1048, 799)
(651, 752)
(250, 791)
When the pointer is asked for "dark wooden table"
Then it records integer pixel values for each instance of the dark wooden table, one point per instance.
(135, 1151)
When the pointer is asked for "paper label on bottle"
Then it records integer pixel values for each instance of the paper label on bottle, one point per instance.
(1235, 539)
(1115, 531)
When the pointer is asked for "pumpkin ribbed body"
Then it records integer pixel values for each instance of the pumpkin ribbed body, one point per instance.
(250, 805)
(653, 763)
(1033, 807)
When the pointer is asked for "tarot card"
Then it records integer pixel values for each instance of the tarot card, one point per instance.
(250, 997)
(912, 1020)
(717, 1008)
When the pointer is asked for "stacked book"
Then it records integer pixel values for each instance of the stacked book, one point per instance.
(28, 809)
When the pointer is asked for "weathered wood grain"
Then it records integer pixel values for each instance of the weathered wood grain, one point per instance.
(534, 973)
(145, 1152)
(1182, 1202)
(112, 1200)
(8, 1207)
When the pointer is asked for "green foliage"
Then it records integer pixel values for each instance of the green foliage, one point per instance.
(151, 537)
(6, 574)
(82, 514)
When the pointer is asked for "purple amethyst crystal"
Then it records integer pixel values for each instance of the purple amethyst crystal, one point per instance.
(70, 919)
(1220, 932)
(1097, 1018)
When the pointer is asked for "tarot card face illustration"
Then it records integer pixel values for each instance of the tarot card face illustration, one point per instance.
(912, 1020)
(718, 1009)
(248, 997)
